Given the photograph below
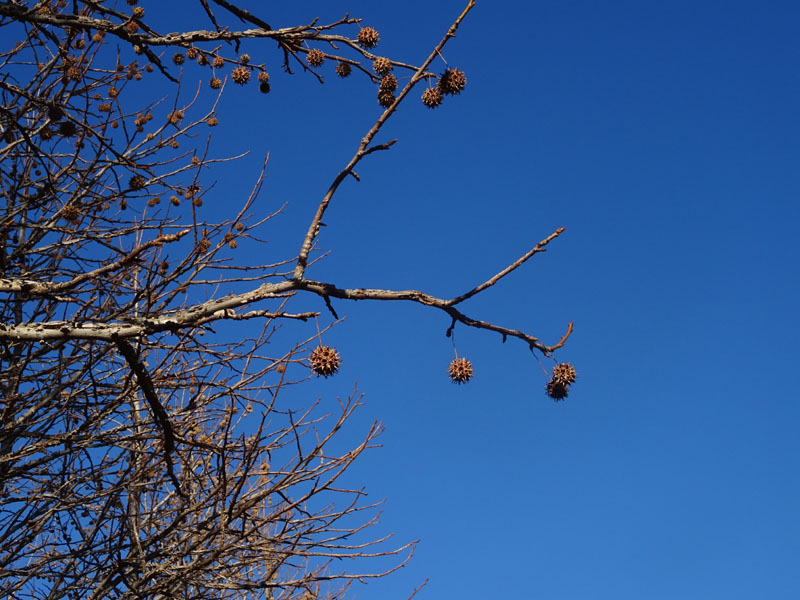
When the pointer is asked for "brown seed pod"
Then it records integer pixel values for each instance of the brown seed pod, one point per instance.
(138, 12)
(343, 69)
(368, 37)
(432, 97)
(131, 27)
(325, 361)
(460, 370)
(136, 182)
(315, 57)
(556, 390)
(55, 113)
(74, 74)
(178, 58)
(565, 373)
(67, 129)
(191, 53)
(244, 59)
(264, 88)
(240, 75)
(263, 77)
(382, 65)
(215, 83)
(388, 83)
(218, 62)
(452, 81)
(385, 99)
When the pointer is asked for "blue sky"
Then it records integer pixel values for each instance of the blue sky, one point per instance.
(664, 137)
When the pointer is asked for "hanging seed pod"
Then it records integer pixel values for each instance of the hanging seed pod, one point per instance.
(386, 99)
(368, 37)
(240, 75)
(556, 390)
(315, 57)
(388, 83)
(325, 361)
(565, 373)
(452, 81)
(382, 65)
(432, 97)
(343, 69)
(460, 370)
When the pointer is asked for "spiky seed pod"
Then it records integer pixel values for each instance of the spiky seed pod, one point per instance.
(218, 62)
(565, 373)
(382, 65)
(388, 83)
(213, 122)
(343, 69)
(67, 129)
(138, 12)
(178, 58)
(264, 88)
(263, 77)
(315, 57)
(131, 27)
(325, 361)
(244, 59)
(74, 73)
(368, 37)
(432, 97)
(460, 370)
(556, 390)
(202, 59)
(240, 75)
(54, 113)
(136, 182)
(191, 53)
(385, 99)
(215, 83)
(452, 81)
(70, 213)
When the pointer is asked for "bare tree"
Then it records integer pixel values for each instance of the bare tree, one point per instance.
(143, 454)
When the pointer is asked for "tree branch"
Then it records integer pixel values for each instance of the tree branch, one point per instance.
(314, 227)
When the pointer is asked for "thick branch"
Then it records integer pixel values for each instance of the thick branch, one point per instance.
(327, 290)
(160, 415)
(200, 314)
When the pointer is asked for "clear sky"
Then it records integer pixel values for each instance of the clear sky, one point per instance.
(665, 137)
